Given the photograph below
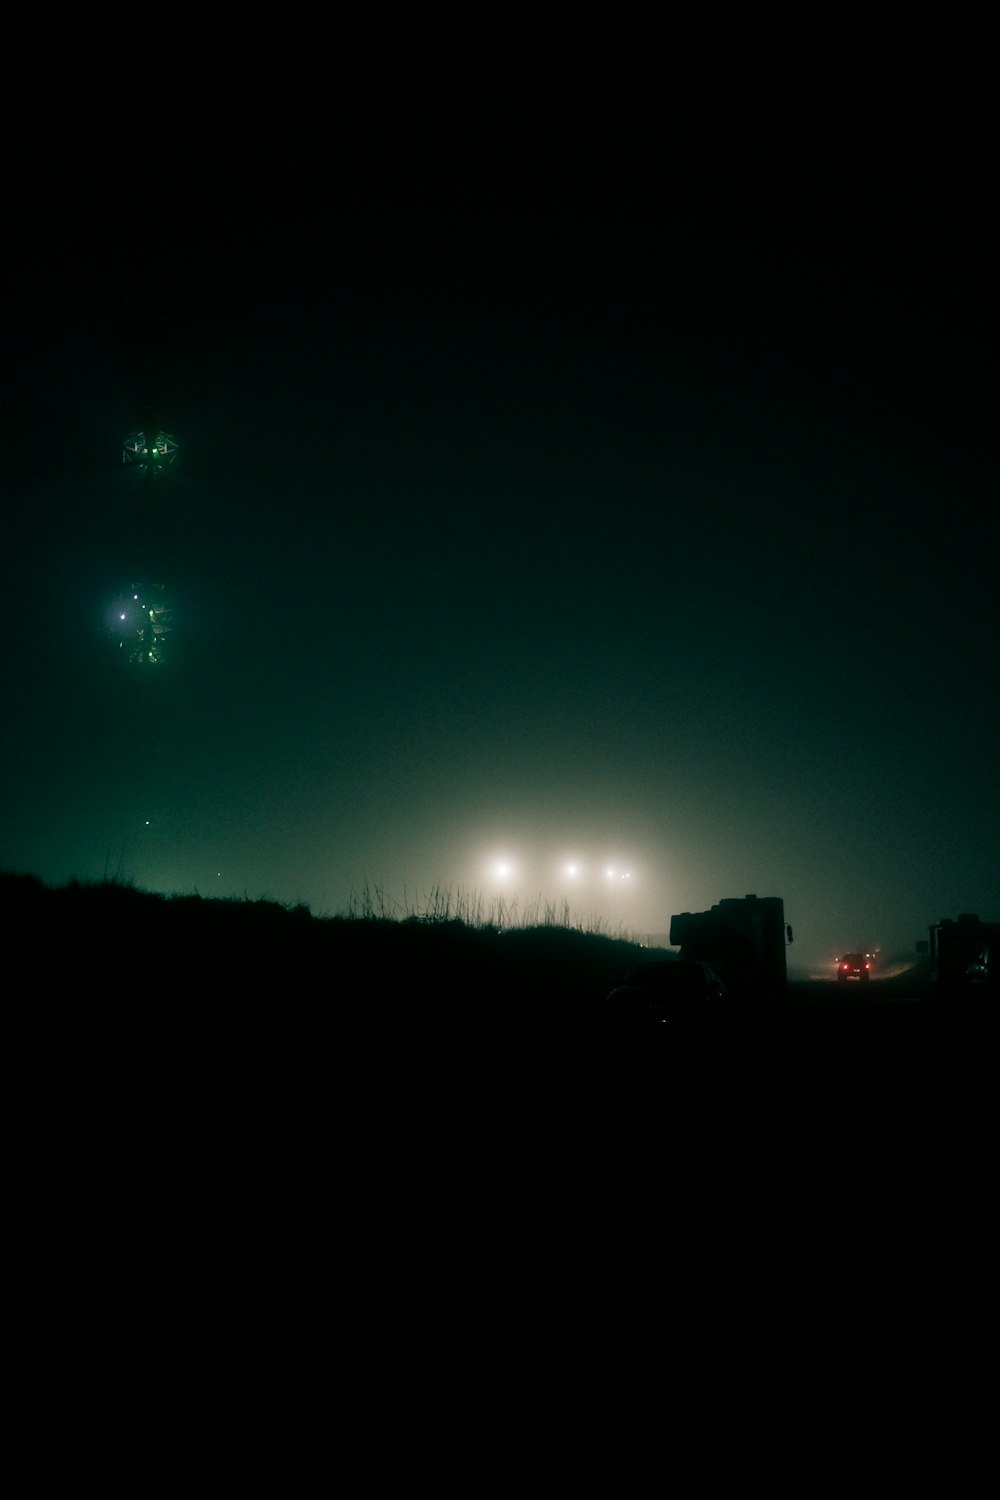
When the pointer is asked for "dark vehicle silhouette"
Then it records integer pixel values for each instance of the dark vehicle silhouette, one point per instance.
(743, 939)
(963, 955)
(661, 992)
(854, 966)
(983, 974)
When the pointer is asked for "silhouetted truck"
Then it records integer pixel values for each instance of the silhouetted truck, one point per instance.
(963, 954)
(743, 939)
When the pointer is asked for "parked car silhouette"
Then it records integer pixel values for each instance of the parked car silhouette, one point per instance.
(661, 992)
(983, 974)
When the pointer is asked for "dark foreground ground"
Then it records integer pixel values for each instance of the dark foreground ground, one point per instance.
(252, 1163)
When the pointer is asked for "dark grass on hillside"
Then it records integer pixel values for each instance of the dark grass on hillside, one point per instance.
(225, 949)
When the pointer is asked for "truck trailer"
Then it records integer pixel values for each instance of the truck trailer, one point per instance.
(743, 938)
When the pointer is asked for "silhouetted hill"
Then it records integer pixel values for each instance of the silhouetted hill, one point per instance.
(197, 948)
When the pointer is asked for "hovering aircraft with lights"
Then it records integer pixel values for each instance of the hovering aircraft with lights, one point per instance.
(144, 619)
(152, 450)
(143, 624)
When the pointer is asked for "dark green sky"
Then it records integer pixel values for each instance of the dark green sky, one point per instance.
(612, 492)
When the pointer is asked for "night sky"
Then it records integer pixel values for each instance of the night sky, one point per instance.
(559, 485)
